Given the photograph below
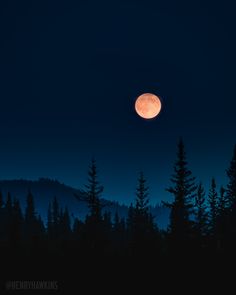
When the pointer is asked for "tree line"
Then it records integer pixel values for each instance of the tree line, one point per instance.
(200, 222)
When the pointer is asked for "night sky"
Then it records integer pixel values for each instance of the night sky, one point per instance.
(70, 72)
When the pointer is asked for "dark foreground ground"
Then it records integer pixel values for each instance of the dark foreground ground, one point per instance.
(87, 273)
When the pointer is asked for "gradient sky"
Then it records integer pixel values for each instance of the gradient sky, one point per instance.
(70, 72)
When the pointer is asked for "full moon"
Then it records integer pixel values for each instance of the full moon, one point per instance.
(148, 105)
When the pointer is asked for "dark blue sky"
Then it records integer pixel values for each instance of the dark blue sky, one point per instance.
(69, 75)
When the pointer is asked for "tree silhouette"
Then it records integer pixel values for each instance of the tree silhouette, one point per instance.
(231, 186)
(231, 199)
(140, 220)
(94, 235)
(31, 226)
(16, 222)
(183, 190)
(93, 191)
(213, 207)
(194, 226)
(30, 214)
(142, 201)
(222, 229)
(201, 216)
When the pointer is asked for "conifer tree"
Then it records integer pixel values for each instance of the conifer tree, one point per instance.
(16, 223)
(222, 227)
(231, 186)
(213, 207)
(201, 216)
(93, 191)
(183, 191)
(231, 198)
(30, 221)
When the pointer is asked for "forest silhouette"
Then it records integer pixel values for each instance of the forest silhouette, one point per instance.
(202, 225)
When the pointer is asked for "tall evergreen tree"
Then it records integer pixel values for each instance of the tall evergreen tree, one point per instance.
(222, 227)
(223, 201)
(142, 232)
(231, 186)
(213, 207)
(93, 191)
(142, 201)
(231, 199)
(94, 235)
(201, 211)
(30, 214)
(183, 190)
(16, 223)
(30, 218)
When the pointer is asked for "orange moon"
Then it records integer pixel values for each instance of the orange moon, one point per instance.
(148, 105)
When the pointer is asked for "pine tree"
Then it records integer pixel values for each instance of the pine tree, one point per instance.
(223, 201)
(141, 235)
(231, 199)
(201, 216)
(30, 218)
(94, 236)
(213, 207)
(30, 214)
(142, 201)
(222, 227)
(231, 186)
(183, 190)
(16, 223)
(93, 191)
(141, 211)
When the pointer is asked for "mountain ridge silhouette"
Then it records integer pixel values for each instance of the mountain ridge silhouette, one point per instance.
(45, 189)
